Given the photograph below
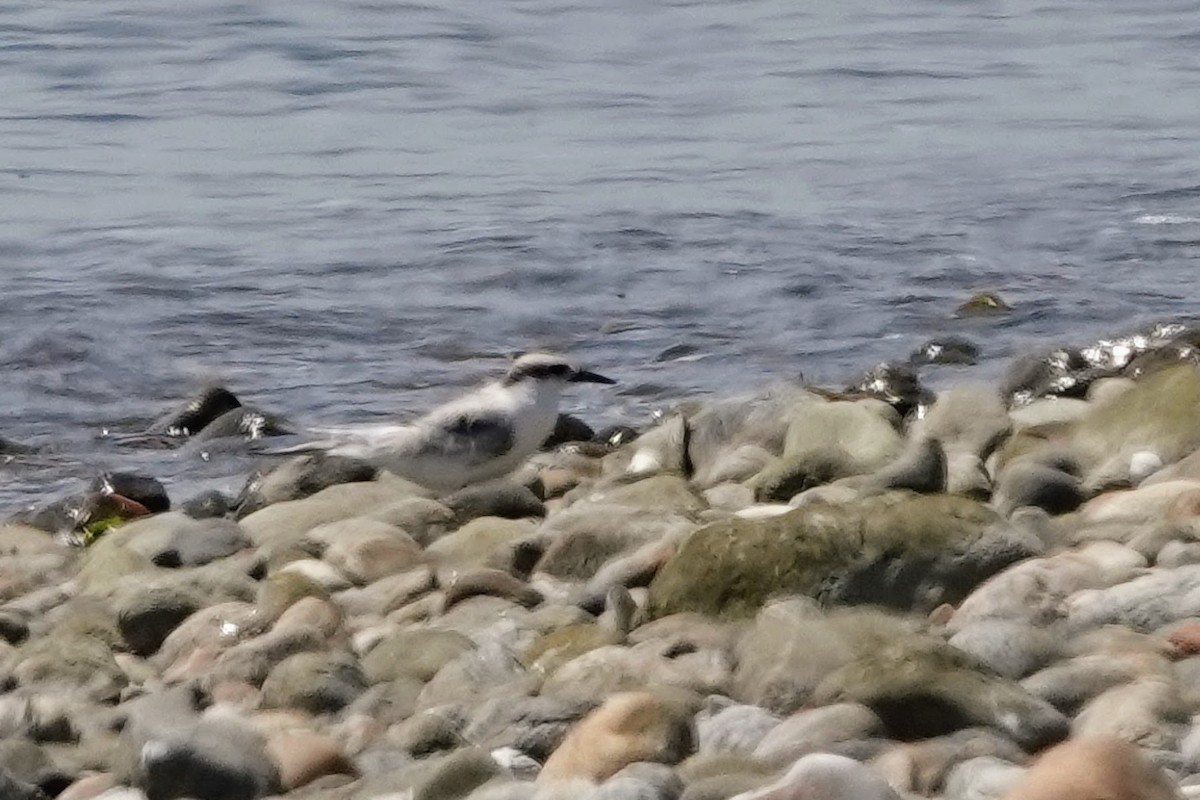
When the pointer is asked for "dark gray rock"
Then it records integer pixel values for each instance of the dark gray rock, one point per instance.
(494, 499)
(197, 413)
(140, 488)
(147, 616)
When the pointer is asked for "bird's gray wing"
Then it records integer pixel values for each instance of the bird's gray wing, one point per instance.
(473, 438)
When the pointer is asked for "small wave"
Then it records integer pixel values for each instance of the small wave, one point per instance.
(1165, 219)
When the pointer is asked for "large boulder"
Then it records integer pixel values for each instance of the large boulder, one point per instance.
(1160, 414)
(905, 551)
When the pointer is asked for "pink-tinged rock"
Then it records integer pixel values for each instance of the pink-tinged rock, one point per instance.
(313, 611)
(629, 727)
(1094, 769)
(302, 757)
(89, 786)
(1144, 504)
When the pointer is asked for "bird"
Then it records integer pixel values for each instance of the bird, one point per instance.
(482, 435)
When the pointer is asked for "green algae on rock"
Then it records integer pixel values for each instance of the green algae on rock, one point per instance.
(897, 550)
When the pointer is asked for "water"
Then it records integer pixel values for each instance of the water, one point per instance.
(343, 210)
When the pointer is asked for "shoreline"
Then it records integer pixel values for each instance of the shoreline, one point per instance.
(900, 593)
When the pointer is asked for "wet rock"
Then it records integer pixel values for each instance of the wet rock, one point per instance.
(243, 423)
(895, 384)
(628, 728)
(945, 350)
(983, 304)
(823, 776)
(1089, 768)
(197, 413)
(208, 505)
(319, 683)
(902, 551)
(1059, 373)
(494, 499)
(147, 491)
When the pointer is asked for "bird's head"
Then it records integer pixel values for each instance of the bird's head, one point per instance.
(551, 369)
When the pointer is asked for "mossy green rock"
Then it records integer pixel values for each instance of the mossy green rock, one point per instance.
(898, 550)
(1161, 413)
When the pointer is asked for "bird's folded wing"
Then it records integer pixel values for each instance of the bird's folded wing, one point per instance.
(469, 438)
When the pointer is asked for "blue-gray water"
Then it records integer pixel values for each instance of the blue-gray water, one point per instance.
(345, 209)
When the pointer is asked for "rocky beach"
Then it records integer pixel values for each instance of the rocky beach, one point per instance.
(873, 592)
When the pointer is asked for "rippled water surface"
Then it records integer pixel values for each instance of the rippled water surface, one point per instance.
(345, 209)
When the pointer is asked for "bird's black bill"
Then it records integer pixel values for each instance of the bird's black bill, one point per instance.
(583, 376)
